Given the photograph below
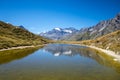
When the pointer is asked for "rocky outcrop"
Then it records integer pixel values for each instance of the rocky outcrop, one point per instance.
(102, 28)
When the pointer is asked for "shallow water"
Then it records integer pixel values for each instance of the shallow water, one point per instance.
(58, 62)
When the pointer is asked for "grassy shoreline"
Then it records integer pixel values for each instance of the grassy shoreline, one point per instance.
(21, 47)
(108, 52)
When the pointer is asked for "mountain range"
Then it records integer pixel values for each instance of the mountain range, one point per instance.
(105, 34)
(59, 33)
(100, 29)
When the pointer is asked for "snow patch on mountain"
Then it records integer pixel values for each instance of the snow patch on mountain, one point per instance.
(58, 29)
(59, 33)
(68, 31)
(102, 28)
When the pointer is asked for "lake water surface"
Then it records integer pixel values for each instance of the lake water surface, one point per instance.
(58, 62)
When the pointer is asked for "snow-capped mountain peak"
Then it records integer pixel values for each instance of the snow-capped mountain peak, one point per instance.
(57, 29)
(59, 33)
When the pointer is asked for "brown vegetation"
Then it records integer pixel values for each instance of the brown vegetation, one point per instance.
(13, 36)
(110, 42)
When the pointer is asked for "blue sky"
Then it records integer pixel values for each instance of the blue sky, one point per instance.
(43, 15)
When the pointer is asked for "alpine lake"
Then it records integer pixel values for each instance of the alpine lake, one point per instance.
(58, 62)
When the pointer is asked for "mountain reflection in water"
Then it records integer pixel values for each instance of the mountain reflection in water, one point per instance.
(77, 50)
(58, 62)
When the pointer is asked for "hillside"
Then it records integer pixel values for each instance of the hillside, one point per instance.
(102, 28)
(13, 36)
(110, 41)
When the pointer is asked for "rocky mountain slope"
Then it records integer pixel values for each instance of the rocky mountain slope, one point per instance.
(102, 28)
(13, 36)
(59, 33)
(110, 41)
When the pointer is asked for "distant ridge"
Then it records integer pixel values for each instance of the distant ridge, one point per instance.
(59, 33)
(102, 28)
